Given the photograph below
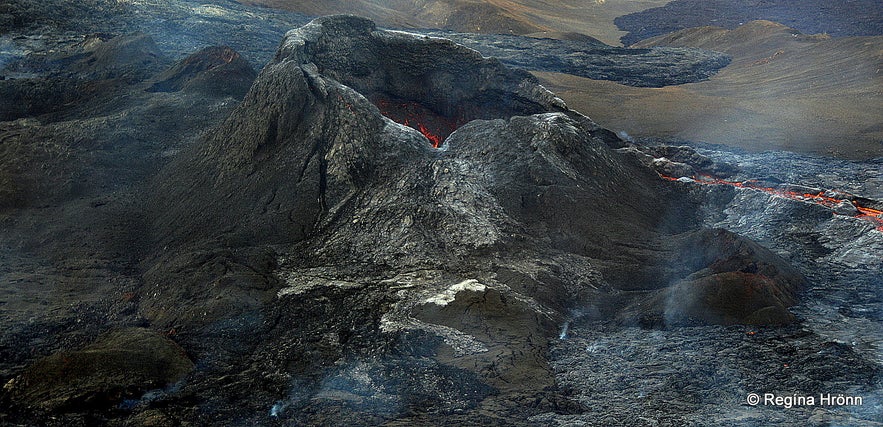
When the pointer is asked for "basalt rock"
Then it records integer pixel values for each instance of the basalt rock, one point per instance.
(388, 227)
(132, 57)
(321, 264)
(688, 155)
(313, 100)
(732, 281)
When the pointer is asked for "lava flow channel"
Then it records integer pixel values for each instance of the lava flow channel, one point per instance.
(819, 198)
(433, 126)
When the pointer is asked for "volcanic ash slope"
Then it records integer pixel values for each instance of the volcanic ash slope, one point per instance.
(322, 263)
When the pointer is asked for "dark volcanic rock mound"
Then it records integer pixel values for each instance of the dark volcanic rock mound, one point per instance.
(448, 78)
(352, 244)
(97, 67)
(295, 116)
(120, 365)
(72, 227)
(215, 69)
(49, 132)
(731, 281)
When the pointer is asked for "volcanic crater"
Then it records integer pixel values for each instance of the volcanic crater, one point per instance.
(429, 83)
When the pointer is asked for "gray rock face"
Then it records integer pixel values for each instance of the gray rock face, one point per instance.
(448, 79)
(687, 155)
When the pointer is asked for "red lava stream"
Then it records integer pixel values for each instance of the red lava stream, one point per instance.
(819, 198)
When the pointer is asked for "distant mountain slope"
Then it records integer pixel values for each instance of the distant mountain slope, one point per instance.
(549, 19)
(772, 60)
(783, 90)
(457, 15)
(836, 18)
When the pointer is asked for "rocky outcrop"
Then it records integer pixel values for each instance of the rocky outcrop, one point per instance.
(678, 161)
(732, 281)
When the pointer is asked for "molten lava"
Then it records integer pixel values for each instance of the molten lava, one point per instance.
(872, 215)
(435, 139)
(433, 126)
(819, 198)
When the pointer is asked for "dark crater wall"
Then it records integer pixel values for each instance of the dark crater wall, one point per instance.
(396, 70)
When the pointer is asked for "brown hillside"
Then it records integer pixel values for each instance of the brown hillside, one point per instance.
(783, 90)
(593, 17)
(457, 15)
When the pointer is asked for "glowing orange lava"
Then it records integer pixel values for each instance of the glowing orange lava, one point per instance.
(433, 126)
(819, 198)
(433, 138)
(872, 215)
